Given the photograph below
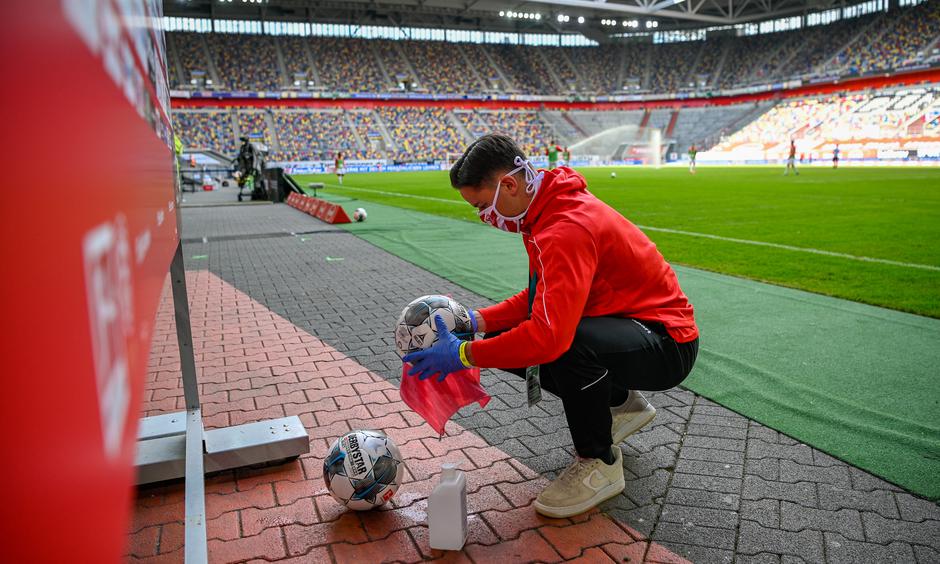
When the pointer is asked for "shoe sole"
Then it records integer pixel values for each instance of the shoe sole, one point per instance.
(572, 510)
(634, 425)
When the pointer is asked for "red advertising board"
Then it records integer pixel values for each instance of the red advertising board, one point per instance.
(88, 227)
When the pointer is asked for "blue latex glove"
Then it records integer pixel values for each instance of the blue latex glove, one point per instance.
(442, 358)
(473, 320)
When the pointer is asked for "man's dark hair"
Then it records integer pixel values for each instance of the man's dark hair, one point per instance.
(488, 154)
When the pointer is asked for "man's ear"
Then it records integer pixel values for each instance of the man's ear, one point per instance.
(510, 184)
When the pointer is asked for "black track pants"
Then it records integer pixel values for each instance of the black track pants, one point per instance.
(609, 357)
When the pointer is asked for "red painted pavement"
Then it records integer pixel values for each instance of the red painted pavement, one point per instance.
(254, 364)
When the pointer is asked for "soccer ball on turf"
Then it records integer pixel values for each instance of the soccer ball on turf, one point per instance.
(613, 175)
(359, 214)
(415, 329)
(363, 470)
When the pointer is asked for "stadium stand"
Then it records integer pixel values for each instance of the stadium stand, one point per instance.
(481, 63)
(441, 70)
(205, 130)
(346, 65)
(191, 52)
(599, 67)
(395, 64)
(898, 44)
(524, 67)
(880, 41)
(254, 124)
(526, 127)
(862, 124)
(245, 62)
(306, 135)
(297, 61)
(674, 64)
(421, 134)
(372, 134)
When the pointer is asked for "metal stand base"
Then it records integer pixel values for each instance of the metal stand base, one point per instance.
(161, 445)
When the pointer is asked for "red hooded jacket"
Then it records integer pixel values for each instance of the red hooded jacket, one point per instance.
(585, 260)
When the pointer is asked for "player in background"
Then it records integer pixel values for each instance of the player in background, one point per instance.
(692, 152)
(835, 157)
(791, 160)
(552, 152)
(339, 166)
(567, 156)
(603, 315)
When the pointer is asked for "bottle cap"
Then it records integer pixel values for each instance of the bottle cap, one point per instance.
(449, 470)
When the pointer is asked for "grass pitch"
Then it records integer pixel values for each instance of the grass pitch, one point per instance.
(865, 234)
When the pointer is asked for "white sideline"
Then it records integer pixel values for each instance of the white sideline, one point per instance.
(792, 248)
(694, 234)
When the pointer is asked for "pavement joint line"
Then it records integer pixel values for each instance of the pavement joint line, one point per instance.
(781, 246)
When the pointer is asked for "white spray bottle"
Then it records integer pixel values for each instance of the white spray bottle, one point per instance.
(447, 510)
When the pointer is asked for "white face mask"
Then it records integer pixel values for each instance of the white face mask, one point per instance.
(533, 180)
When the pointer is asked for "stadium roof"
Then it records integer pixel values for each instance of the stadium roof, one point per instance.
(597, 19)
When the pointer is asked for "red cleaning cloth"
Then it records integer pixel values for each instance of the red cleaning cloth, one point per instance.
(437, 401)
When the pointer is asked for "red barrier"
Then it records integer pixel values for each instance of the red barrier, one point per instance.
(320, 209)
(84, 268)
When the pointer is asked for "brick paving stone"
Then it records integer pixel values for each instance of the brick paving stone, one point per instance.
(803, 493)
(758, 448)
(754, 539)
(703, 468)
(720, 518)
(569, 541)
(847, 522)
(881, 502)
(763, 511)
(301, 512)
(913, 508)
(840, 550)
(717, 431)
(591, 556)
(695, 535)
(702, 498)
(881, 530)
(529, 547)
(925, 555)
(865, 482)
(701, 554)
(396, 547)
(762, 558)
(628, 553)
(267, 545)
(766, 468)
(794, 472)
(707, 483)
(708, 455)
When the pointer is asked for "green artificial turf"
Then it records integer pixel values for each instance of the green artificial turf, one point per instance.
(890, 214)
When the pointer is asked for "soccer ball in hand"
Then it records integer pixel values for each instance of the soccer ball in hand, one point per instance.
(415, 329)
(613, 175)
(360, 214)
(363, 470)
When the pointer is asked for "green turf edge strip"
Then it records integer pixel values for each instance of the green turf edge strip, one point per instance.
(855, 381)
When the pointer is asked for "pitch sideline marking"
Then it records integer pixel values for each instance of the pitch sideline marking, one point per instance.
(792, 248)
(702, 235)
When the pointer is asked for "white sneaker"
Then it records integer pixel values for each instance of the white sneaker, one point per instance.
(633, 415)
(584, 484)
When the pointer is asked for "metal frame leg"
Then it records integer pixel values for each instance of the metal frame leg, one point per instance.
(195, 547)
